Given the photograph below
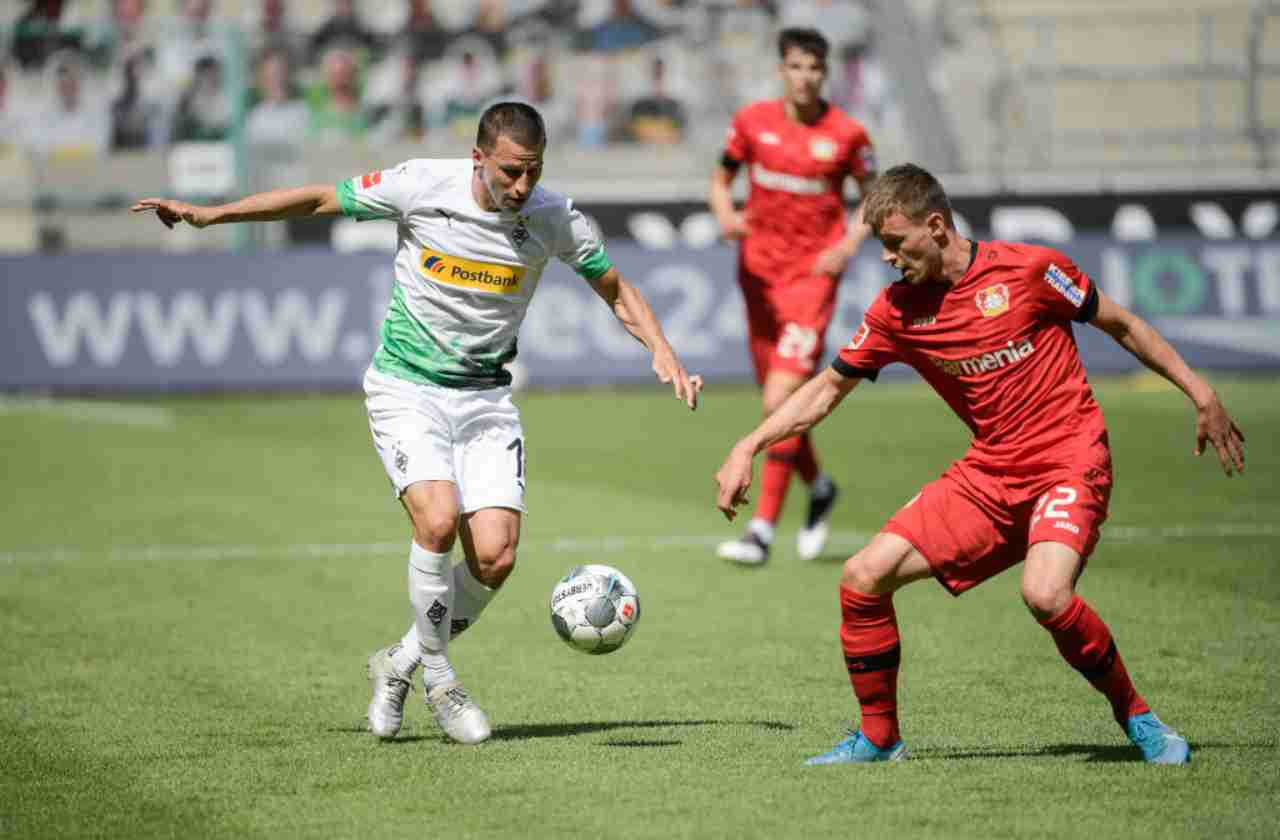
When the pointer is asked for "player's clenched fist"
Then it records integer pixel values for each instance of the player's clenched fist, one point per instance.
(171, 212)
(733, 479)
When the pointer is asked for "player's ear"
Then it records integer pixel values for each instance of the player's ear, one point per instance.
(477, 156)
(937, 225)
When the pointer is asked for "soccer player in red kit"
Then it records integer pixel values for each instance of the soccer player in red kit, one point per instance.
(988, 325)
(799, 151)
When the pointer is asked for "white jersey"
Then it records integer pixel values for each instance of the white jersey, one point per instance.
(464, 275)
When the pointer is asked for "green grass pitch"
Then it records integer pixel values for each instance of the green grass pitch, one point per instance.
(189, 588)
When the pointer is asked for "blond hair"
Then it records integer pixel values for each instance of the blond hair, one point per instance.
(907, 189)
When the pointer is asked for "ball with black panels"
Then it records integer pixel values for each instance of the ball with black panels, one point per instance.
(595, 608)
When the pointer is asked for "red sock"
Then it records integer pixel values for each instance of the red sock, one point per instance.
(1085, 642)
(807, 460)
(775, 478)
(872, 651)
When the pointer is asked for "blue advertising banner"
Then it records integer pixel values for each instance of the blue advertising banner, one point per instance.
(308, 318)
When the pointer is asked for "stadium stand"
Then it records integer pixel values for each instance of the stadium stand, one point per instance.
(207, 98)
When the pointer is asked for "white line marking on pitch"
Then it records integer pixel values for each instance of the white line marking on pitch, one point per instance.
(92, 411)
(841, 541)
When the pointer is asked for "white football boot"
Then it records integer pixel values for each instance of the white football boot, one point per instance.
(457, 714)
(386, 709)
(748, 551)
(812, 538)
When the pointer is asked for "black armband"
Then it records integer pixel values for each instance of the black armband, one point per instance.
(730, 162)
(848, 371)
(1089, 308)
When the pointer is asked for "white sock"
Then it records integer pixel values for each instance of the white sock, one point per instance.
(431, 594)
(470, 597)
(763, 529)
(407, 656)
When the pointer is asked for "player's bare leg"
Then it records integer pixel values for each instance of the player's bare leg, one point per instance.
(481, 572)
(432, 507)
(781, 460)
(1084, 640)
(489, 540)
(490, 537)
(872, 647)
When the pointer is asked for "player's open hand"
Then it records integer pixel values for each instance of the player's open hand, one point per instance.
(171, 212)
(733, 481)
(1215, 426)
(668, 369)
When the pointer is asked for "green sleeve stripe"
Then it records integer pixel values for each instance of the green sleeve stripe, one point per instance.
(595, 265)
(347, 198)
(352, 206)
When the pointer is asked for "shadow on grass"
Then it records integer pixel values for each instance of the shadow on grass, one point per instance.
(1115, 753)
(362, 729)
(566, 730)
(640, 743)
(1091, 752)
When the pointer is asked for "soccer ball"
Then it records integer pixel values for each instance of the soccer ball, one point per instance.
(595, 608)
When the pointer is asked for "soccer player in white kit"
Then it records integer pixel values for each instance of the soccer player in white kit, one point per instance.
(474, 237)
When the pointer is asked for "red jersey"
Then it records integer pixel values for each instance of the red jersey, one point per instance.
(797, 173)
(998, 347)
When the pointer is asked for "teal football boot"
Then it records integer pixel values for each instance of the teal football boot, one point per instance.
(1159, 743)
(856, 749)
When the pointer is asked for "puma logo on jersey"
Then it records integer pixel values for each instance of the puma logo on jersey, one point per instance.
(471, 274)
(1007, 355)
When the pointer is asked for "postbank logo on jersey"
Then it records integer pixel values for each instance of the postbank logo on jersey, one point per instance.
(471, 274)
(993, 300)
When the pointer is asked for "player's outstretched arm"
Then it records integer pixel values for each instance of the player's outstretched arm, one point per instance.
(800, 412)
(733, 224)
(1213, 424)
(290, 203)
(835, 260)
(634, 313)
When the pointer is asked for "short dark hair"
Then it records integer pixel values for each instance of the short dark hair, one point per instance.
(805, 39)
(907, 189)
(521, 122)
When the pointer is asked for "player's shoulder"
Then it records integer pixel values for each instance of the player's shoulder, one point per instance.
(1020, 256)
(893, 300)
(839, 120)
(435, 169)
(426, 178)
(546, 203)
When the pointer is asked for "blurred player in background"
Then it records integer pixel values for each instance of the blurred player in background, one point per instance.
(799, 151)
(988, 325)
(474, 237)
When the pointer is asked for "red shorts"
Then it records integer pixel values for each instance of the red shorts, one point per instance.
(977, 520)
(787, 321)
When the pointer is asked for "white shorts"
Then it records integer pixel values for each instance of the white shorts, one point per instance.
(431, 433)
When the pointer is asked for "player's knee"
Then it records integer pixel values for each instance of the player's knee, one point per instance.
(864, 572)
(434, 530)
(496, 559)
(1045, 598)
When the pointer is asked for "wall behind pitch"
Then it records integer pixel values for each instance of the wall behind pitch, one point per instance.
(308, 318)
